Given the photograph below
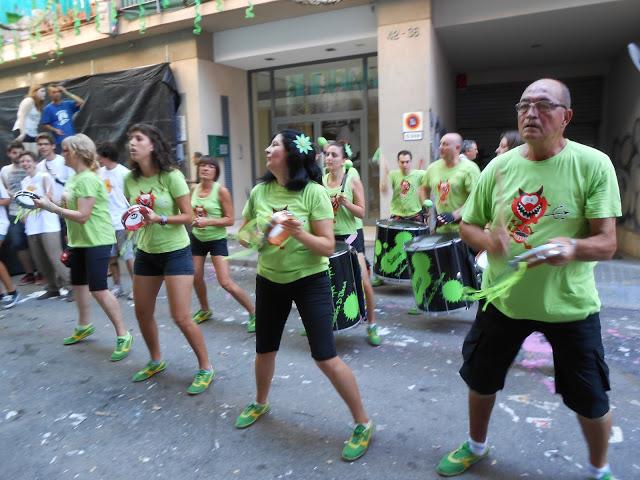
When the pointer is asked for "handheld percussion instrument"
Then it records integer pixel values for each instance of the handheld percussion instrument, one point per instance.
(133, 218)
(25, 199)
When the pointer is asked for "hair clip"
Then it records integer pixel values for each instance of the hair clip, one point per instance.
(347, 150)
(303, 143)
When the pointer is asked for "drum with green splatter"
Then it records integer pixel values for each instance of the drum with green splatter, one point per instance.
(441, 266)
(346, 287)
(390, 260)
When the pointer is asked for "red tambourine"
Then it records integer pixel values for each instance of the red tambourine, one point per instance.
(133, 218)
(25, 199)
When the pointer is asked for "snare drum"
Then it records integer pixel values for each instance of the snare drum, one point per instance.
(390, 260)
(132, 219)
(25, 199)
(346, 287)
(440, 265)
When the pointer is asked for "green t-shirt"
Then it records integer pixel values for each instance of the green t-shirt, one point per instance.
(98, 230)
(292, 260)
(344, 220)
(540, 200)
(405, 200)
(159, 193)
(210, 207)
(450, 186)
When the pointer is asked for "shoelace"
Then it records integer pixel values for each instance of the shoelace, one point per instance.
(202, 375)
(358, 433)
(121, 341)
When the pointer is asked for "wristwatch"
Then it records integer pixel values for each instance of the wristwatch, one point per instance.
(163, 220)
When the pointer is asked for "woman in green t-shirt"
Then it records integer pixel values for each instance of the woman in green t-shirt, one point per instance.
(212, 212)
(348, 204)
(85, 207)
(292, 207)
(163, 250)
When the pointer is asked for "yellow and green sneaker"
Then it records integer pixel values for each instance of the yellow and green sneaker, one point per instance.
(459, 461)
(202, 316)
(123, 347)
(358, 442)
(250, 414)
(201, 381)
(149, 371)
(372, 335)
(251, 324)
(79, 334)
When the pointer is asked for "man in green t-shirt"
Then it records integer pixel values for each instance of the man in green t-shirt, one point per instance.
(450, 179)
(549, 190)
(406, 203)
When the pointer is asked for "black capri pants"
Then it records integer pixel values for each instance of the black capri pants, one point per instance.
(89, 266)
(581, 374)
(312, 295)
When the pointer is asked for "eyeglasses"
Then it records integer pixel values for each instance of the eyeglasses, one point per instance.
(542, 106)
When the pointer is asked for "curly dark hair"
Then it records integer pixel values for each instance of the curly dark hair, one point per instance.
(302, 166)
(161, 154)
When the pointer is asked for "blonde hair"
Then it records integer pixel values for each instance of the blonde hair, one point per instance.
(37, 101)
(84, 148)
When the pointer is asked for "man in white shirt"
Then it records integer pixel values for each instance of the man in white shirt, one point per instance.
(53, 164)
(112, 174)
(12, 175)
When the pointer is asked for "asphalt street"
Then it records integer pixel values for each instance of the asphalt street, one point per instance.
(69, 413)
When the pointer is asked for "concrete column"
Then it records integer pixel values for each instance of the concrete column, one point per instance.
(404, 28)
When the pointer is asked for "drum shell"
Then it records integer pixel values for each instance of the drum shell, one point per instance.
(390, 260)
(449, 259)
(346, 287)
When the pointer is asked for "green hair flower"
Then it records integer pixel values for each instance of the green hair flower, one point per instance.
(303, 143)
(347, 150)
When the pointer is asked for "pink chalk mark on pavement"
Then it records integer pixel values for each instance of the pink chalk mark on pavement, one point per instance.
(537, 352)
(550, 384)
(536, 343)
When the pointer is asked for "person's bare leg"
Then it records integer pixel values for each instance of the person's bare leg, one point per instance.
(111, 307)
(199, 284)
(25, 260)
(81, 295)
(264, 367)
(368, 291)
(596, 432)
(480, 407)
(114, 268)
(221, 266)
(145, 291)
(179, 289)
(344, 381)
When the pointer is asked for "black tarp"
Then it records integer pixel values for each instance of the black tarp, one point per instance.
(114, 102)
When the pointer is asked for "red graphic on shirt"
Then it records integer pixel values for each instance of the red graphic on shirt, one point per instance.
(200, 211)
(444, 188)
(405, 186)
(528, 208)
(147, 199)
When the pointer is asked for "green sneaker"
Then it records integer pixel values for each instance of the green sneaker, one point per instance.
(251, 324)
(413, 311)
(123, 347)
(372, 335)
(149, 371)
(79, 334)
(202, 316)
(459, 461)
(250, 414)
(607, 476)
(358, 442)
(201, 381)
(376, 282)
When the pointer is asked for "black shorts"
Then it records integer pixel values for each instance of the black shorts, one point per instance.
(177, 262)
(16, 236)
(312, 295)
(213, 247)
(358, 243)
(89, 266)
(581, 374)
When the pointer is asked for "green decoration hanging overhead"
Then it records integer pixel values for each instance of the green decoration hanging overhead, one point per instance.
(56, 34)
(219, 5)
(197, 27)
(143, 20)
(16, 43)
(248, 13)
(165, 3)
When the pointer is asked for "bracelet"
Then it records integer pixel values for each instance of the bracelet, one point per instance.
(163, 220)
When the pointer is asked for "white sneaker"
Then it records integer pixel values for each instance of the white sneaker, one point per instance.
(117, 291)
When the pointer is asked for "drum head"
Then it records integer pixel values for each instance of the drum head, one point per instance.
(340, 249)
(133, 219)
(430, 242)
(25, 199)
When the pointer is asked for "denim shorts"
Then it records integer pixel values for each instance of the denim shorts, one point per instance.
(178, 262)
(16, 236)
(122, 248)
